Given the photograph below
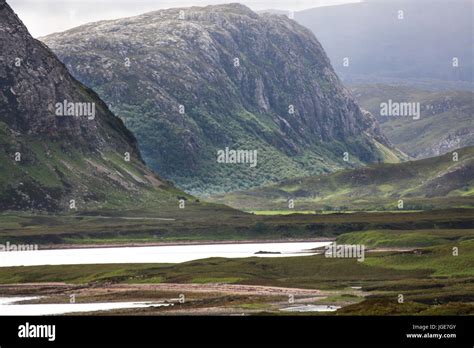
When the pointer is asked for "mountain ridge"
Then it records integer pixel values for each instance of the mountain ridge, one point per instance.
(52, 159)
(202, 79)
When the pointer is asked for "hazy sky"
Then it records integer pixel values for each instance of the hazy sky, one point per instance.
(43, 17)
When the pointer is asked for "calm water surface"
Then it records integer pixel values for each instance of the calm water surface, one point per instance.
(155, 254)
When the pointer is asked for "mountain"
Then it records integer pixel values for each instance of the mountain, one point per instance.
(437, 182)
(415, 46)
(446, 122)
(190, 82)
(61, 149)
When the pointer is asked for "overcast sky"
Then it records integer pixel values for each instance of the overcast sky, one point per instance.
(43, 17)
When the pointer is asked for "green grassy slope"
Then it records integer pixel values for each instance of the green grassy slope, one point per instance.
(406, 238)
(429, 183)
(51, 173)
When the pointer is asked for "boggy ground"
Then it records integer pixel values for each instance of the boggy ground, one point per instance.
(199, 299)
(215, 225)
(431, 280)
(427, 257)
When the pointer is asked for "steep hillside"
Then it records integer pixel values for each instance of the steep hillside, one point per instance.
(446, 118)
(55, 158)
(194, 81)
(429, 183)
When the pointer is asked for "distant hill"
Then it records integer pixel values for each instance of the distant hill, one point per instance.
(446, 118)
(202, 79)
(429, 183)
(418, 49)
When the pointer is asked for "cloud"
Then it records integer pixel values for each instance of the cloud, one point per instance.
(44, 17)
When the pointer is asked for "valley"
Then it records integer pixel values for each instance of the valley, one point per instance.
(444, 122)
(128, 162)
(433, 183)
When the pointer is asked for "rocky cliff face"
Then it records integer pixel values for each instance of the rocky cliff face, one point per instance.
(190, 82)
(60, 146)
(33, 81)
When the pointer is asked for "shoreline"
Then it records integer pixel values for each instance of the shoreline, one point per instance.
(181, 243)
